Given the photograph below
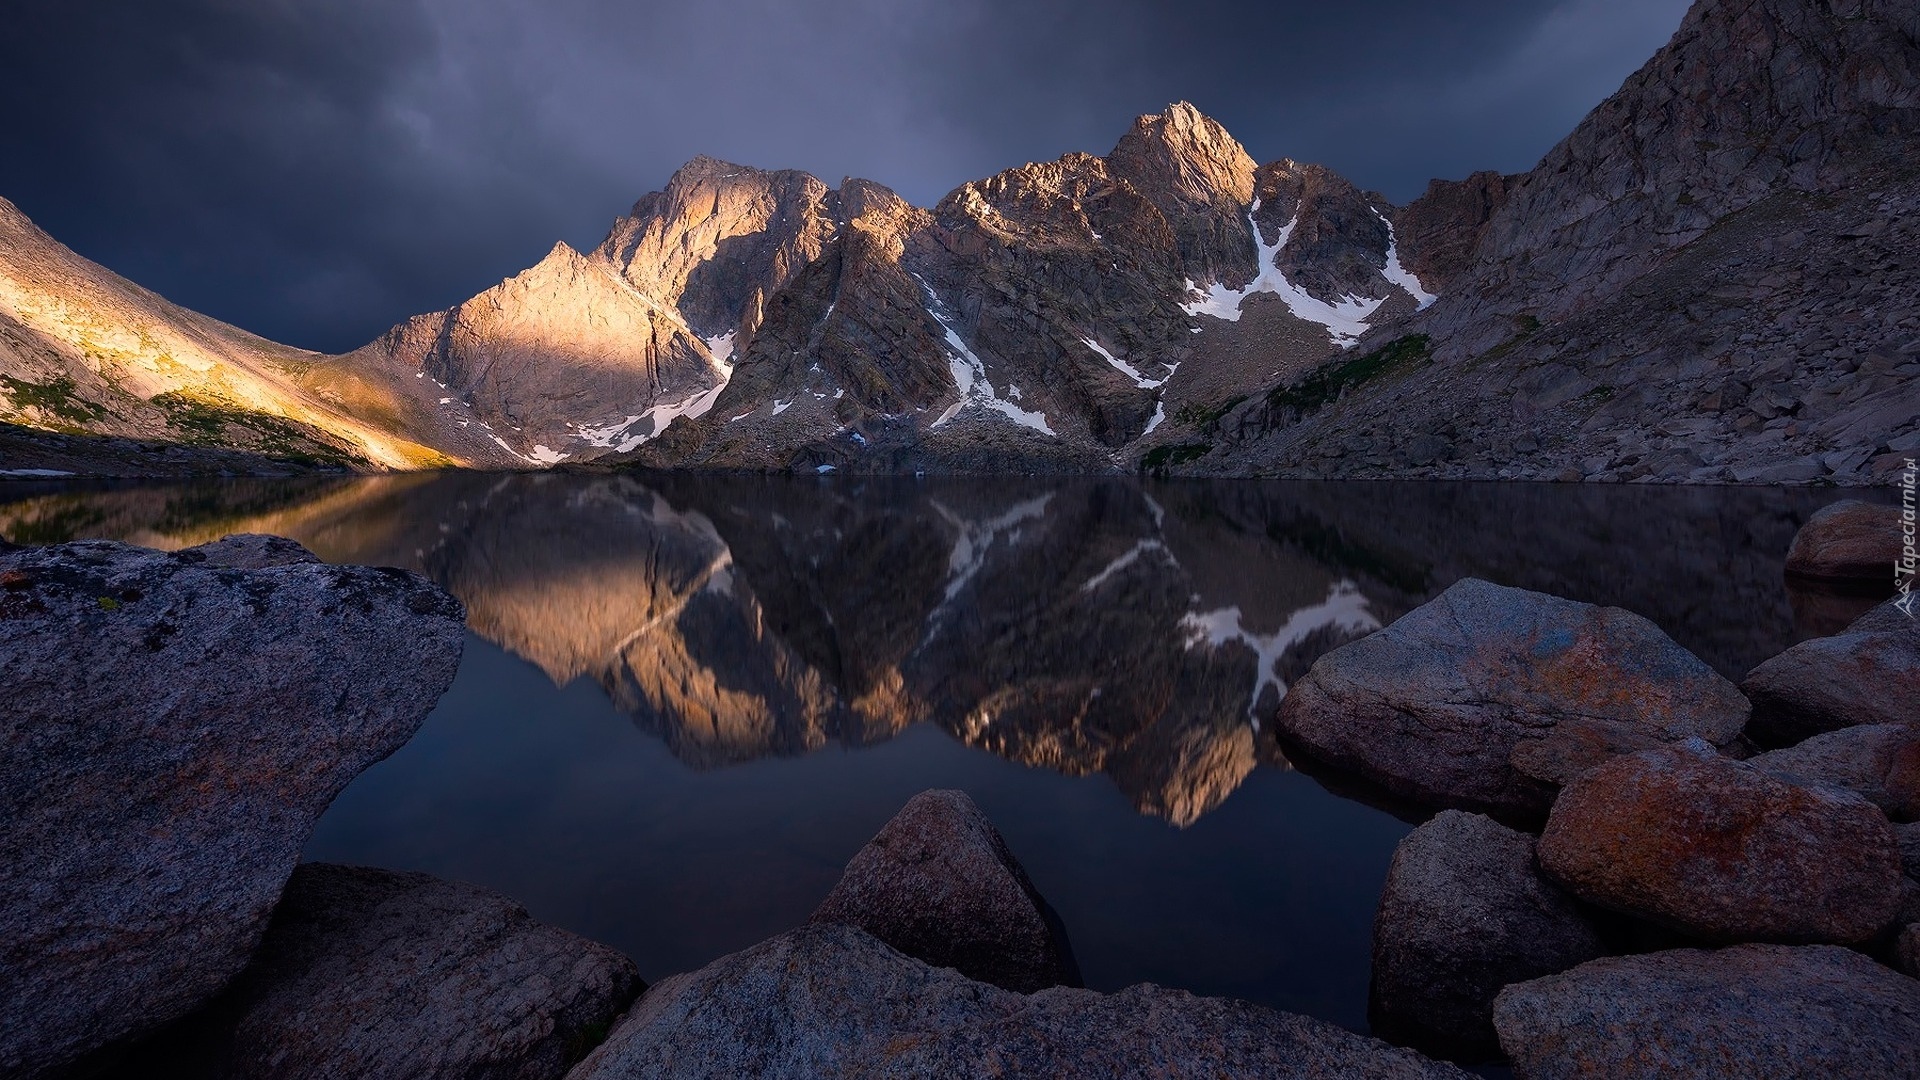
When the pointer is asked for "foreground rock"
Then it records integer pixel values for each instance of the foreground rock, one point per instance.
(172, 729)
(1849, 542)
(1721, 850)
(1878, 762)
(1775, 1011)
(1870, 674)
(1464, 913)
(1490, 698)
(939, 884)
(371, 973)
(831, 1001)
(1906, 949)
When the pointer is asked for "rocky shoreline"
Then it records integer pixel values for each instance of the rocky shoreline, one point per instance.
(1638, 867)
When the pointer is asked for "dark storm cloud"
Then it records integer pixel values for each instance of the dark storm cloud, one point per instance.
(315, 170)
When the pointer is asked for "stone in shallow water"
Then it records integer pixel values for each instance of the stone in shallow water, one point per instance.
(939, 884)
(1464, 912)
(832, 1001)
(1848, 542)
(376, 973)
(173, 727)
(1776, 1011)
(1869, 674)
(1721, 850)
(1489, 698)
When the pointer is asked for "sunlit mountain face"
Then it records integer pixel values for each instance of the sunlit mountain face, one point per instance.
(1095, 627)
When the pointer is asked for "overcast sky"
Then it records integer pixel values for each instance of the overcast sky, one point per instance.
(316, 170)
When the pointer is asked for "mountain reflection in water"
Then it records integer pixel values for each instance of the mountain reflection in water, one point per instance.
(1139, 635)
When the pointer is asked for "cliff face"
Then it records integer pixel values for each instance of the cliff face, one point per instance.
(1751, 99)
(1064, 315)
(83, 350)
(1712, 279)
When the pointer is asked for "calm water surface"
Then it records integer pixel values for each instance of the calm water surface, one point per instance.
(686, 701)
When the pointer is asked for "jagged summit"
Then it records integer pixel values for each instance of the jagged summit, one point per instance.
(1154, 304)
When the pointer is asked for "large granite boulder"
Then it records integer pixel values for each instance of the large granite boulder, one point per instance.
(831, 1001)
(1870, 674)
(373, 973)
(1489, 698)
(1848, 542)
(1723, 851)
(1878, 762)
(1464, 912)
(939, 884)
(172, 729)
(1777, 1011)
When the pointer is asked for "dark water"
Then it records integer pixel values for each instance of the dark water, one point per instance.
(686, 701)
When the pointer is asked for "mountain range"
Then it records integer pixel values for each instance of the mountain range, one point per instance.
(1712, 278)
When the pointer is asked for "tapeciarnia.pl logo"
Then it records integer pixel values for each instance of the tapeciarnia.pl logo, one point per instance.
(1903, 569)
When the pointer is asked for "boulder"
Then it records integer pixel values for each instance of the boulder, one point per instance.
(1489, 698)
(1908, 837)
(1465, 912)
(1782, 1012)
(832, 1001)
(173, 727)
(1878, 762)
(254, 551)
(372, 973)
(1848, 542)
(1869, 674)
(1723, 851)
(938, 883)
(1906, 949)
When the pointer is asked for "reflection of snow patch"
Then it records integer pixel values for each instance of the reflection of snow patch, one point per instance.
(1344, 609)
(1398, 274)
(1131, 556)
(1345, 320)
(970, 376)
(976, 537)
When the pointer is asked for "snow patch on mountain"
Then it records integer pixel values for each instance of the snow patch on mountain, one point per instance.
(1129, 370)
(970, 376)
(1400, 275)
(1345, 321)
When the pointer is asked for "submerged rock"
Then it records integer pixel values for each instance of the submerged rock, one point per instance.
(1848, 542)
(1489, 698)
(1465, 912)
(1724, 851)
(1775, 1011)
(938, 883)
(832, 1001)
(371, 973)
(1870, 674)
(1878, 762)
(173, 728)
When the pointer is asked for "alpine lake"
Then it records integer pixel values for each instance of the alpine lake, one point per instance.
(687, 700)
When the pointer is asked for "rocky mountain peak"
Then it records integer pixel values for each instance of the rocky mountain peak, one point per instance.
(1750, 98)
(720, 238)
(1183, 153)
(1198, 176)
